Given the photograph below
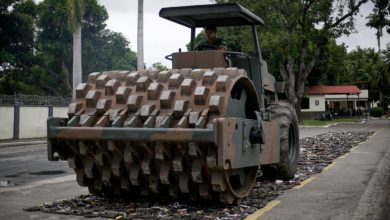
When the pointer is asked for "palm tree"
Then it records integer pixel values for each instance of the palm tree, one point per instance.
(75, 9)
(386, 55)
(386, 60)
(378, 19)
(140, 36)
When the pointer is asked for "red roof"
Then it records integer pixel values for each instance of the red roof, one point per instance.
(317, 90)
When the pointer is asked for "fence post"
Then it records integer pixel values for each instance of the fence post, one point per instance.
(50, 111)
(16, 120)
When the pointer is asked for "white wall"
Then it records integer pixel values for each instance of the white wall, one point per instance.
(6, 122)
(312, 103)
(61, 112)
(33, 122)
(343, 97)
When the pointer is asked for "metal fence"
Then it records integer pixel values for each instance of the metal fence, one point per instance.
(34, 100)
(20, 102)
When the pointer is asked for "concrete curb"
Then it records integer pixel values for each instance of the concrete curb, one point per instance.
(329, 125)
(316, 126)
(19, 143)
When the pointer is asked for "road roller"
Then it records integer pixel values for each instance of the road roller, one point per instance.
(203, 130)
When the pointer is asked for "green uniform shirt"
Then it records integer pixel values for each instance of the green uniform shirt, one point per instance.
(219, 43)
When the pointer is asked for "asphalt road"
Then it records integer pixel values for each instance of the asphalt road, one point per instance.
(357, 186)
(23, 165)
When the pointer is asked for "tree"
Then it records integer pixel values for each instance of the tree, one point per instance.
(296, 32)
(54, 41)
(36, 46)
(105, 50)
(17, 47)
(386, 56)
(75, 10)
(378, 19)
(140, 36)
(366, 66)
(158, 66)
(330, 68)
(386, 71)
(113, 52)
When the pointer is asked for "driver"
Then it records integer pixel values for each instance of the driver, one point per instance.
(212, 40)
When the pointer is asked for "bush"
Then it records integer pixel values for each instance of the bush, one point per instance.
(376, 112)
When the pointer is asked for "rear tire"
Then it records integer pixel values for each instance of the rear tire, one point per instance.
(284, 115)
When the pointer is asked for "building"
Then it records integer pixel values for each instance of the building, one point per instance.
(341, 101)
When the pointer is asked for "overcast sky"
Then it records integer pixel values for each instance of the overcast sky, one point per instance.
(162, 37)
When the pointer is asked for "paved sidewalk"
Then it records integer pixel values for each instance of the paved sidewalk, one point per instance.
(354, 186)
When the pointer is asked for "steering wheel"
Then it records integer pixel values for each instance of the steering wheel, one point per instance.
(205, 47)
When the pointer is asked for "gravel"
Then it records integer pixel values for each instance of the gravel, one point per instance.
(315, 154)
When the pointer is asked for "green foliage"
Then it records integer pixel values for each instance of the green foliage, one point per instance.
(75, 9)
(297, 40)
(54, 47)
(378, 19)
(364, 65)
(158, 66)
(386, 54)
(36, 46)
(17, 46)
(112, 48)
(331, 67)
(377, 112)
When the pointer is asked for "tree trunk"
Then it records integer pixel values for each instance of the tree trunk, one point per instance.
(295, 82)
(381, 86)
(298, 110)
(378, 38)
(76, 60)
(140, 36)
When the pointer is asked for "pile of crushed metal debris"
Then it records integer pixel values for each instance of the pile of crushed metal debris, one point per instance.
(316, 153)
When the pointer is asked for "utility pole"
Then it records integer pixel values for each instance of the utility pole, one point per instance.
(140, 36)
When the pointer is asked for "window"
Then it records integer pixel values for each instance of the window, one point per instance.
(305, 104)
